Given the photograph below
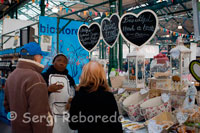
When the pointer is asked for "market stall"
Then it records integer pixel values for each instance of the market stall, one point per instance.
(165, 102)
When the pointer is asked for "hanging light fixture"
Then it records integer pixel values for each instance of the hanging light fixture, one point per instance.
(180, 26)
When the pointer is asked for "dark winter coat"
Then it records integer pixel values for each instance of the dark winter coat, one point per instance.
(95, 104)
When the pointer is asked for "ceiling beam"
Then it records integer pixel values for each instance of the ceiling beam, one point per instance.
(27, 8)
(157, 6)
(176, 20)
(71, 9)
(190, 9)
(12, 7)
(185, 8)
(93, 8)
(28, 16)
(81, 2)
(90, 7)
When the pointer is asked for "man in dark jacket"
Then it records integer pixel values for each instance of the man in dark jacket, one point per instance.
(26, 94)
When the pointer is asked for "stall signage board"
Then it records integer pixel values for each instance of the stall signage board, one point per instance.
(110, 30)
(139, 29)
(89, 36)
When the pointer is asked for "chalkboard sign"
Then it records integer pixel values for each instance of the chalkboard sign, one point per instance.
(140, 28)
(89, 37)
(110, 29)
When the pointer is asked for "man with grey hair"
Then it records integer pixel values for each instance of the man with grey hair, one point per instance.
(26, 93)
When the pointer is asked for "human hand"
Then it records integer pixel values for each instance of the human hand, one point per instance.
(55, 88)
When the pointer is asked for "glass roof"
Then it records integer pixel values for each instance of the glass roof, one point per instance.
(167, 16)
(31, 11)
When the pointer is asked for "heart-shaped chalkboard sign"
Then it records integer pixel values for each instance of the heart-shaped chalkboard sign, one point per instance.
(138, 29)
(89, 36)
(195, 69)
(110, 29)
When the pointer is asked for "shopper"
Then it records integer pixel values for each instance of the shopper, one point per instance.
(126, 66)
(94, 109)
(59, 95)
(26, 94)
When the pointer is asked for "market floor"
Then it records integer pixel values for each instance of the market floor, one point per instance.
(4, 128)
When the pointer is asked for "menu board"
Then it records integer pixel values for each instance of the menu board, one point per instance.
(89, 36)
(139, 29)
(110, 30)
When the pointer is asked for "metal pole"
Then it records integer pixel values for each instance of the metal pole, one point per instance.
(42, 7)
(105, 53)
(100, 48)
(58, 22)
(120, 37)
(16, 14)
(103, 50)
(112, 57)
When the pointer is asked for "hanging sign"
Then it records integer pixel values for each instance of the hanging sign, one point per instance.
(138, 29)
(195, 69)
(110, 30)
(89, 36)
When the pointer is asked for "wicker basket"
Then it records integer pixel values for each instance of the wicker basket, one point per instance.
(117, 81)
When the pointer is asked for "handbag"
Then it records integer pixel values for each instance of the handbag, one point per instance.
(153, 107)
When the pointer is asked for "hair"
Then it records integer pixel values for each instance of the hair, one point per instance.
(58, 56)
(93, 76)
(30, 57)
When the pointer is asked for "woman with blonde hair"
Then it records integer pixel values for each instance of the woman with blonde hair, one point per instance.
(94, 109)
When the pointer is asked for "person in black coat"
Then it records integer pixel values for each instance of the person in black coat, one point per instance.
(93, 108)
(60, 62)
